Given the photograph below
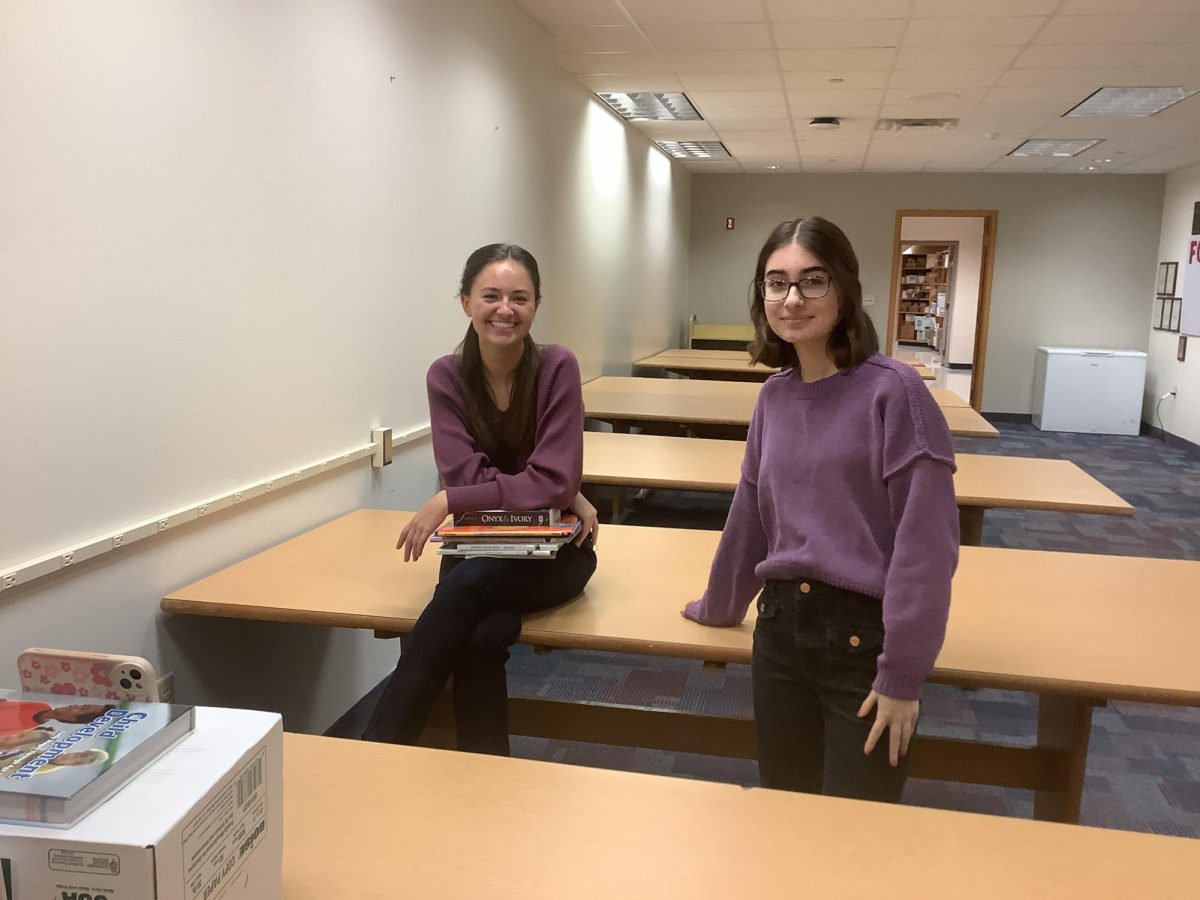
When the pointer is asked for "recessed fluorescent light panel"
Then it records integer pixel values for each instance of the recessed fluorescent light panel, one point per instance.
(1048, 147)
(1131, 101)
(695, 149)
(653, 107)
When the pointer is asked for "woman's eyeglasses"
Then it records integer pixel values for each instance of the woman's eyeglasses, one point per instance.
(811, 287)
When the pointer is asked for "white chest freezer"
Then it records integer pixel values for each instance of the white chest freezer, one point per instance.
(1088, 390)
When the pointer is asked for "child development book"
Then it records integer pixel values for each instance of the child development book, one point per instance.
(60, 758)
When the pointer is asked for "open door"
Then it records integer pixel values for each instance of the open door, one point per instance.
(940, 297)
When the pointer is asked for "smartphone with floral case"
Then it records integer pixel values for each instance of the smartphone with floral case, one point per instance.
(79, 673)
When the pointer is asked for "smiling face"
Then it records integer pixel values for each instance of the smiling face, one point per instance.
(797, 321)
(501, 304)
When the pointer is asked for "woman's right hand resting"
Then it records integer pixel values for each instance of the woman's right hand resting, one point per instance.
(422, 526)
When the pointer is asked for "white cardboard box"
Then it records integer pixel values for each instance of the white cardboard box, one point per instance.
(203, 822)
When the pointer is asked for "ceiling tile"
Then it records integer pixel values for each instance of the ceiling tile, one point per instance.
(1117, 7)
(870, 33)
(735, 125)
(999, 31)
(1080, 77)
(636, 63)
(939, 9)
(1140, 29)
(715, 166)
(684, 61)
(725, 99)
(743, 81)
(831, 99)
(850, 127)
(668, 12)
(743, 113)
(1065, 97)
(599, 39)
(820, 60)
(850, 81)
(727, 36)
(1097, 56)
(625, 83)
(1031, 110)
(1170, 55)
(930, 99)
(578, 13)
(741, 148)
(678, 131)
(783, 134)
(956, 58)
(843, 111)
(819, 10)
(944, 79)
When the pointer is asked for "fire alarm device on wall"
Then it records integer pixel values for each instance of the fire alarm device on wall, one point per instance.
(729, 223)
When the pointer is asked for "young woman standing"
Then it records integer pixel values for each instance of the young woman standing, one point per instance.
(845, 517)
(507, 420)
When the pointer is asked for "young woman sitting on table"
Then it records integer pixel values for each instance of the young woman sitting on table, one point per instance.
(507, 418)
(845, 517)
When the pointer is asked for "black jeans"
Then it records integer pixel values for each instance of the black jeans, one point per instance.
(465, 631)
(812, 667)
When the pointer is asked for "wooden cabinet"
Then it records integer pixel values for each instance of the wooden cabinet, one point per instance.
(926, 279)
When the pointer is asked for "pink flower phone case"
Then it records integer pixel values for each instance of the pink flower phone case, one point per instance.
(78, 673)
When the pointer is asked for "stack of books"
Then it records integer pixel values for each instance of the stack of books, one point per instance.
(532, 534)
(61, 756)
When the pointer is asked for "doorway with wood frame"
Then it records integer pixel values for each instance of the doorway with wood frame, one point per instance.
(940, 299)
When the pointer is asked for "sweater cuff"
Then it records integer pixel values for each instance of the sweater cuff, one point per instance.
(472, 497)
(899, 685)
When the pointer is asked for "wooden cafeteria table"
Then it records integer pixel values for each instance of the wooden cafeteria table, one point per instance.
(1076, 629)
(470, 825)
(624, 400)
(981, 482)
(728, 365)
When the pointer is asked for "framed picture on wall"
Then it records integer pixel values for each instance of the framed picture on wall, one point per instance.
(1176, 309)
(1181, 350)
(1162, 306)
(1167, 274)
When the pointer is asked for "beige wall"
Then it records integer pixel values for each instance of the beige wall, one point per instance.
(1074, 254)
(1180, 415)
(230, 242)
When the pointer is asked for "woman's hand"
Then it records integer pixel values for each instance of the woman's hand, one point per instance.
(423, 524)
(899, 717)
(588, 518)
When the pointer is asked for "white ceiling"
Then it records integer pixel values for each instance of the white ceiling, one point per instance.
(758, 70)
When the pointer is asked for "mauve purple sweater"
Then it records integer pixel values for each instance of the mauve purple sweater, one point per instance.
(548, 477)
(847, 480)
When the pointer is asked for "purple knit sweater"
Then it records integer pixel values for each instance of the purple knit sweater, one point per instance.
(847, 480)
(547, 477)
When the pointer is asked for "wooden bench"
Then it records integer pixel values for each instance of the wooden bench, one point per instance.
(1076, 629)
(981, 482)
(624, 400)
(468, 825)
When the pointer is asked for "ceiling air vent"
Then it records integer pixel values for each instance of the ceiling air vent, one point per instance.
(915, 124)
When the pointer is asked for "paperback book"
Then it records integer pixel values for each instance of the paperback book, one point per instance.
(531, 541)
(509, 517)
(61, 758)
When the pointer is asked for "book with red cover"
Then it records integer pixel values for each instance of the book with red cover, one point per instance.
(565, 528)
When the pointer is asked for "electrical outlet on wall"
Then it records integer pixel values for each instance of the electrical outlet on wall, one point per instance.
(869, 300)
(166, 688)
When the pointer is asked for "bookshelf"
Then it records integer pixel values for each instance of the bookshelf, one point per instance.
(926, 279)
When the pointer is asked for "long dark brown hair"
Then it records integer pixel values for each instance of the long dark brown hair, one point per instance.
(853, 338)
(516, 430)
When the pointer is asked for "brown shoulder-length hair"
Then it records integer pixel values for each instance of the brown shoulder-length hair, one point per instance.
(517, 430)
(853, 338)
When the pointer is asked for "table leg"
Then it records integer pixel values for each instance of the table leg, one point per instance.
(1064, 724)
(970, 525)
